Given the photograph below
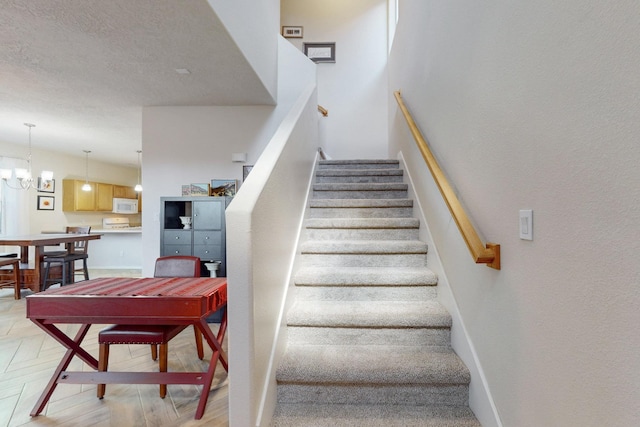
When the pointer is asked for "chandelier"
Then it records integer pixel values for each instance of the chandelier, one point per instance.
(86, 186)
(138, 186)
(24, 177)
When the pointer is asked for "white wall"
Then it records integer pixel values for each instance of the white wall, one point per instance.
(534, 106)
(253, 26)
(116, 250)
(354, 88)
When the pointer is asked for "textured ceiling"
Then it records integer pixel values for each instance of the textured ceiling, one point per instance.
(82, 70)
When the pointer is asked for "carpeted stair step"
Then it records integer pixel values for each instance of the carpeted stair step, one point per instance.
(375, 247)
(366, 253)
(374, 276)
(358, 164)
(319, 415)
(361, 365)
(369, 323)
(377, 374)
(369, 314)
(358, 175)
(391, 190)
(362, 228)
(365, 284)
(360, 208)
(425, 336)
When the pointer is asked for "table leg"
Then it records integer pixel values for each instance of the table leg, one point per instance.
(71, 277)
(37, 272)
(64, 363)
(67, 342)
(24, 254)
(218, 353)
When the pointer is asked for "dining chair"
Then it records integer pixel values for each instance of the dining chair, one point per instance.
(14, 278)
(154, 335)
(68, 260)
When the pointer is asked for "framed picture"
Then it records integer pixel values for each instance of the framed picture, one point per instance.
(223, 187)
(320, 52)
(292, 32)
(186, 190)
(46, 203)
(245, 171)
(46, 186)
(199, 189)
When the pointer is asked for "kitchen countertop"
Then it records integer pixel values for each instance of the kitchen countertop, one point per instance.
(131, 230)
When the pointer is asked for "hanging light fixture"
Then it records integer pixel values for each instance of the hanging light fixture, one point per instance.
(24, 177)
(138, 186)
(86, 186)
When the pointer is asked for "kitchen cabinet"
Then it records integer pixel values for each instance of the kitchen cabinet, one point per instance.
(124, 192)
(74, 199)
(205, 239)
(104, 197)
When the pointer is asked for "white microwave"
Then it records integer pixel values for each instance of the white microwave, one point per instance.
(125, 206)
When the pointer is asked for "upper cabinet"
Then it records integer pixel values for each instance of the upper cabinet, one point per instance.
(122, 192)
(104, 197)
(99, 199)
(74, 199)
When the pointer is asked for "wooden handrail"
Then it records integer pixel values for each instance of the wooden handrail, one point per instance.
(482, 254)
(323, 110)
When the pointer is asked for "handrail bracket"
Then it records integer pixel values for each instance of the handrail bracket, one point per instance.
(495, 248)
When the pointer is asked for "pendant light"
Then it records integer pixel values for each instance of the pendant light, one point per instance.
(24, 177)
(86, 186)
(138, 186)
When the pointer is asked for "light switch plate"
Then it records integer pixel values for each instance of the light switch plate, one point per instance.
(526, 224)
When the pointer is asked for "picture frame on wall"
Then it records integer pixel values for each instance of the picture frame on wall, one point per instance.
(223, 187)
(186, 189)
(46, 203)
(320, 52)
(245, 171)
(292, 32)
(199, 189)
(48, 186)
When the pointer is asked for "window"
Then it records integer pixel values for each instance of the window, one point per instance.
(393, 7)
(1, 208)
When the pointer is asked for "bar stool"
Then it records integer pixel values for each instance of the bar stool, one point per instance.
(14, 279)
(67, 260)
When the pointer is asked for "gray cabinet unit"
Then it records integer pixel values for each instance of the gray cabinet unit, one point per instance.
(205, 238)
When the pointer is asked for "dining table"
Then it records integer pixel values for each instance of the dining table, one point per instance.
(31, 270)
(130, 301)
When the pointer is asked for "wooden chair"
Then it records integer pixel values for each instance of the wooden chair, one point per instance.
(154, 335)
(68, 260)
(14, 279)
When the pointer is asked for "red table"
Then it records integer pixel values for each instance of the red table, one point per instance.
(121, 300)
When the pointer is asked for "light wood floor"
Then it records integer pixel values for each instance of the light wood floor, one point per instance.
(28, 358)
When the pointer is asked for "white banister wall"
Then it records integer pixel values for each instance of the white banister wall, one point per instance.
(263, 226)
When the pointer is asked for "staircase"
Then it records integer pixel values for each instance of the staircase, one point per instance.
(369, 345)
